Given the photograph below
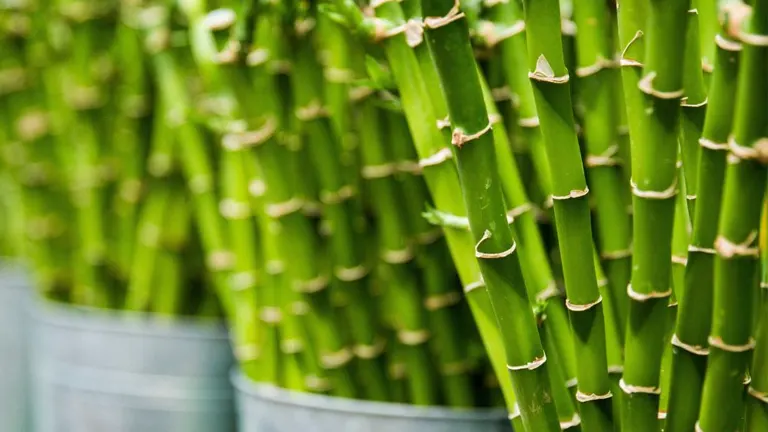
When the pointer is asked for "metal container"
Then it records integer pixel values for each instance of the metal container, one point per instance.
(107, 371)
(266, 408)
(15, 295)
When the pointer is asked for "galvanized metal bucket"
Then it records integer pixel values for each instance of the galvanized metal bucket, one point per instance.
(266, 408)
(15, 295)
(106, 371)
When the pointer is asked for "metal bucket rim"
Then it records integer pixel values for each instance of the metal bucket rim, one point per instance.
(127, 322)
(283, 396)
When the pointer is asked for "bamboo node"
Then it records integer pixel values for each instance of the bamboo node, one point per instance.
(630, 388)
(532, 365)
(691, 197)
(698, 427)
(646, 86)
(32, 125)
(717, 342)
(549, 292)
(401, 256)
(589, 397)
(304, 25)
(344, 193)
(378, 171)
(312, 111)
(573, 422)
(571, 383)
(317, 384)
(492, 255)
(757, 394)
(685, 104)
(529, 122)
(617, 254)
(219, 19)
(247, 352)
(220, 260)
(200, 184)
(350, 274)
(12, 79)
(455, 368)
(727, 44)
(338, 75)
(257, 188)
(409, 167)
(519, 211)
(627, 62)
(495, 118)
(454, 14)
(727, 249)
(661, 415)
(413, 337)
(693, 349)
(243, 280)
(758, 151)
(429, 237)
(582, 307)
(440, 301)
(243, 140)
(667, 193)
(368, 352)
(575, 193)
(604, 159)
(413, 30)
(752, 39)
(257, 57)
(599, 64)
(437, 158)
(615, 369)
(313, 285)
(274, 267)
(278, 210)
(680, 260)
(642, 297)
(501, 93)
(291, 346)
(376, 3)
(232, 209)
(492, 34)
(515, 412)
(271, 315)
(474, 285)
(443, 123)
(336, 359)
(544, 73)
(397, 371)
(358, 93)
(459, 138)
(602, 283)
(491, 3)
(764, 285)
(711, 145)
(568, 27)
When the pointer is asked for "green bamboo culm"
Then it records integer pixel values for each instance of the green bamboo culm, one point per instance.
(689, 359)
(552, 91)
(447, 36)
(731, 340)
(757, 405)
(654, 188)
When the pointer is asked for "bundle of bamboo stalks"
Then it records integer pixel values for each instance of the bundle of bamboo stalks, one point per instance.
(395, 200)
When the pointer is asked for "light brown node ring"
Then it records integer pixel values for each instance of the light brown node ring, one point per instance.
(278, 210)
(532, 365)
(351, 274)
(711, 145)
(600, 64)
(617, 254)
(627, 62)
(336, 197)
(549, 292)
(413, 337)
(243, 280)
(544, 73)
(454, 14)
(685, 104)
(642, 297)
(409, 167)
(757, 394)
(631, 389)
(313, 285)
(590, 397)
(429, 237)
(338, 75)
(717, 342)
(667, 193)
(455, 368)
(576, 193)
(661, 415)
(758, 151)
(529, 122)
(413, 30)
(317, 384)
(728, 249)
(247, 352)
(473, 286)
(493, 34)
(515, 413)
(337, 359)
(400, 256)
(491, 3)
(492, 255)
(519, 210)
(646, 86)
(443, 123)
(231, 209)
(220, 260)
(752, 39)
(727, 44)
(615, 369)
(571, 383)
(441, 301)
(271, 315)
(680, 260)
(582, 307)
(605, 159)
(439, 157)
(459, 137)
(693, 349)
(378, 171)
(573, 422)
(764, 285)
(376, 3)
(368, 352)
(291, 346)
(312, 111)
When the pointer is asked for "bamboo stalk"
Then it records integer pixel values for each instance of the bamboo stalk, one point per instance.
(757, 414)
(731, 339)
